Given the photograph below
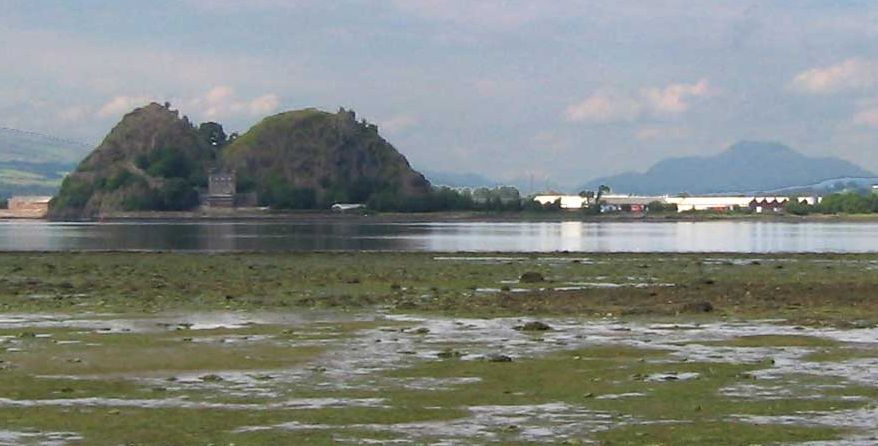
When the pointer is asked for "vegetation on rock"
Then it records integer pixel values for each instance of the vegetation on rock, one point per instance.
(152, 160)
(310, 158)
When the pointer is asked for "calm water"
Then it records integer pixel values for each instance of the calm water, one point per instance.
(724, 236)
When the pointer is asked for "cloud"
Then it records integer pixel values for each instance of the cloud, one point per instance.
(75, 113)
(398, 123)
(850, 74)
(867, 117)
(673, 98)
(606, 107)
(221, 102)
(121, 104)
(264, 104)
(653, 133)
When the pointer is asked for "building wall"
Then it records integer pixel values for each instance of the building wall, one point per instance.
(28, 207)
(567, 201)
(221, 184)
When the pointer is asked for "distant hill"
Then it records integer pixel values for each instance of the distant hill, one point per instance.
(748, 166)
(834, 185)
(20, 145)
(33, 163)
(454, 179)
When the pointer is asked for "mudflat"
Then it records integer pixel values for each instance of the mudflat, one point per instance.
(426, 348)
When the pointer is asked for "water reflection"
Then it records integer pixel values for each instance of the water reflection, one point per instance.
(725, 236)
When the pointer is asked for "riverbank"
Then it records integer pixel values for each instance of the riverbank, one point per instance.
(255, 214)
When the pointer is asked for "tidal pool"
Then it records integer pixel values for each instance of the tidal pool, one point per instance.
(326, 377)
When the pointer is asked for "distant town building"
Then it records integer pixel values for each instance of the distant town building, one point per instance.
(27, 207)
(639, 203)
(628, 203)
(567, 201)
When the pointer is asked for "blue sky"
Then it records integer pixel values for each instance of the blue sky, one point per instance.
(564, 89)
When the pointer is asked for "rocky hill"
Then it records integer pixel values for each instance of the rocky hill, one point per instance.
(309, 158)
(155, 160)
(747, 166)
(152, 160)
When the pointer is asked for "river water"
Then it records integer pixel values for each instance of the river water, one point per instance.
(714, 236)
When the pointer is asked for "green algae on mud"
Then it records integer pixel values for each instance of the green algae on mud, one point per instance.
(810, 289)
(161, 348)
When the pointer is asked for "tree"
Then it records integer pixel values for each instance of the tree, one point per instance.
(213, 134)
(602, 189)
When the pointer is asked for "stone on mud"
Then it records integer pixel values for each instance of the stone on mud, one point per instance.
(698, 307)
(531, 277)
(534, 326)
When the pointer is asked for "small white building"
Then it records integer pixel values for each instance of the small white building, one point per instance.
(567, 201)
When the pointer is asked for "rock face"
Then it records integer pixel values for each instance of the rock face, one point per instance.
(152, 160)
(320, 157)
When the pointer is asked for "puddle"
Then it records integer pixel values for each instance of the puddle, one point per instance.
(357, 360)
(672, 376)
(36, 438)
(185, 403)
(530, 423)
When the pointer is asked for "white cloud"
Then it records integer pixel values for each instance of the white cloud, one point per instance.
(121, 104)
(74, 113)
(398, 123)
(653, 133)
(605, 107)
(850, 74)
(674, 97)
(221, 102)
(218, 103)
(264, 104)
(867, 117)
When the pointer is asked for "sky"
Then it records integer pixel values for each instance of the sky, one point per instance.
(560, 90)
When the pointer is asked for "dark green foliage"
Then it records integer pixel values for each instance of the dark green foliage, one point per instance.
(77, 192)
(844, 203)
(658, 206)
(120, 179)
(177, 195)
(140, 199)
(849, 203)
(213, 134)
(797, 207)
(535, 206)
(168, 162)
(4, 203)
(277, 193)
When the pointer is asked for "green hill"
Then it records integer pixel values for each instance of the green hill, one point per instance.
(310, 158)
(154, 160)
(151, 160)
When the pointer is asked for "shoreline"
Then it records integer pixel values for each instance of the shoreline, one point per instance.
(462, 217)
